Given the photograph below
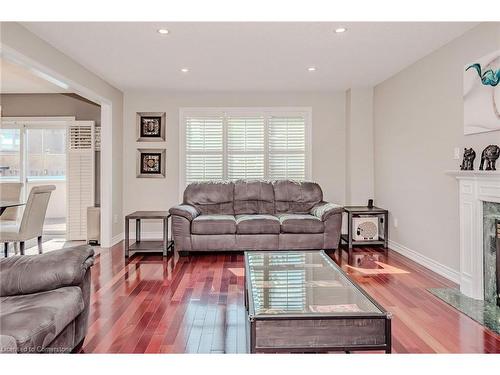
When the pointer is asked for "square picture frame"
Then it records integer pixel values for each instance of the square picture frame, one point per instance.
(151, 126)
(150, 162)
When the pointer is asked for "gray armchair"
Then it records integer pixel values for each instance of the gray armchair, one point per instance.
(44, 301)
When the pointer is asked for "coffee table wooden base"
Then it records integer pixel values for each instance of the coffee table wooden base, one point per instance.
(301, 301)
(319, 335)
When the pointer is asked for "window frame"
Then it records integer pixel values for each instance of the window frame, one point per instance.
(23, 124)
(226, 112)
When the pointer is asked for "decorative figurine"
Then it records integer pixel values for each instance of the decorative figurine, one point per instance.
(490, 155)
(468, 161)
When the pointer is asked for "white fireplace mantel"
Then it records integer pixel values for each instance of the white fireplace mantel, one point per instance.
(475, 187)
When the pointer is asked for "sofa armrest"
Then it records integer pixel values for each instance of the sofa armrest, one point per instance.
(185, 210)
(37, 273)
(324, 210)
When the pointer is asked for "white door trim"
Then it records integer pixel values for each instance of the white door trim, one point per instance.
(54, 77)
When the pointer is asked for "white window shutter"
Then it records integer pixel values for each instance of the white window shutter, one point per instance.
(245, 148)
(245, 143)
(287, 147)
(79, 177)
(204, 149)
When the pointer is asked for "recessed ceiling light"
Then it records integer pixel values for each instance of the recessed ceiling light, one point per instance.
(340, 30)
(163, 31)
(184, 70)
(311, 69)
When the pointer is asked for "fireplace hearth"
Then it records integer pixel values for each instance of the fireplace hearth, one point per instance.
(485, 311)
(478, 276)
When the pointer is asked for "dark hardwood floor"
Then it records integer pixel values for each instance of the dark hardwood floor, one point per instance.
(195, 304)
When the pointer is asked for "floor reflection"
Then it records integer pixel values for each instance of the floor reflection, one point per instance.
(366, 262)
(152, 304)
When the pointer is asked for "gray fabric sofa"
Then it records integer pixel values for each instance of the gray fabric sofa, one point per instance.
(255, 215)
(44, 301)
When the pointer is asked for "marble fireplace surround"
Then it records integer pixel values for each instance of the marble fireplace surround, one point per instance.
(475, 187)
(491, 211)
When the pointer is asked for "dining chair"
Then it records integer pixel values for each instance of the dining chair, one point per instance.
(31, 224)
(10, 191)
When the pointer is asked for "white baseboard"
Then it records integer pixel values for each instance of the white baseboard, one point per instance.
(427, 262)
(116, 239)
(144, 235)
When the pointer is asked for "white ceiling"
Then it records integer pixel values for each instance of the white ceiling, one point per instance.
(15, 79)
(246, 56)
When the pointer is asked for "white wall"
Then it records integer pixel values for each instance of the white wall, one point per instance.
(359, 146)
(328, 141)
(418, 121)
(21, 44)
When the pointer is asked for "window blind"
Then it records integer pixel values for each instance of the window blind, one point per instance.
(229, 145)
(204, 149)
(79, 177)
(245, 147)
(287, 148)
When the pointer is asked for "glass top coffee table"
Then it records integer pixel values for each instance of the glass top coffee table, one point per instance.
(301, 301)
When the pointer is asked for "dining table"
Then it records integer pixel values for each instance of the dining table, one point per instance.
(6, 204)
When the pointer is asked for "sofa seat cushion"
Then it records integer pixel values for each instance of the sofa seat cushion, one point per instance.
(214, 224)
(300, 223)
(35, 320)
(257, 224)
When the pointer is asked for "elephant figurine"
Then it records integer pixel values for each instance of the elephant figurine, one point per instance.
(490, 154)
(468, 161)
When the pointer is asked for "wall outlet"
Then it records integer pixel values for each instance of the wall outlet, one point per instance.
(456, 153)
(395, 222)
(115, 218)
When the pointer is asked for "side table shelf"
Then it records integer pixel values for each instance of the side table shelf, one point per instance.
(345, 238)
(364, 211)
(147, 246)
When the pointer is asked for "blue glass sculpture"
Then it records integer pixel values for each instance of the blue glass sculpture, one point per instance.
(489, 77)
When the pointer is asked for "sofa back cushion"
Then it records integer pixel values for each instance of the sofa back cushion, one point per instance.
(211, 198)
(253, 197)
(296, 197)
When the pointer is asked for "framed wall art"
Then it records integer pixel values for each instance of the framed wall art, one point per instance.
(151, 163)
(151, 126)
(482, 94)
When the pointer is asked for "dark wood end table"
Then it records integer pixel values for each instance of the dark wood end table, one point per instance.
(360, 211)
(139, 245)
